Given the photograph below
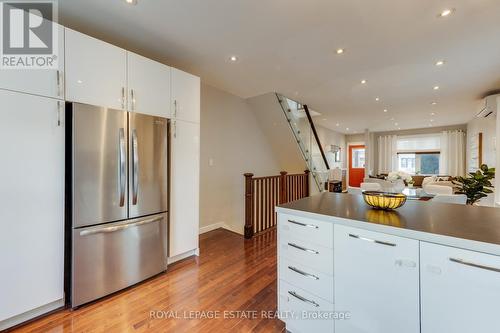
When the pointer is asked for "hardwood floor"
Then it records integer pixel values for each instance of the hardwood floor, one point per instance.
(231, 274)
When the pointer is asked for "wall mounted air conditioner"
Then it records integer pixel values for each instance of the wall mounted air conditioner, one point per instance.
(489, 106)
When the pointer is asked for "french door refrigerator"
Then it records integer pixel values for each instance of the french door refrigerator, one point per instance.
(119, 199)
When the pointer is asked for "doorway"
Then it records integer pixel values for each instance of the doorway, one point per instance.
(356, 165)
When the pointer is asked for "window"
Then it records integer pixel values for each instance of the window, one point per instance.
(419, 154)
(358, 158)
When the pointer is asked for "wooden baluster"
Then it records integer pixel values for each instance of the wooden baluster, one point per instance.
(307, 182)
(261, 205)
(283, 189)
(248, 206)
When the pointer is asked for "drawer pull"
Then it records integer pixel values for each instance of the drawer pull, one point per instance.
(303, 248)
(296, 270)
(468, 263)
(304, 224)
(372, 240)
(303, 299)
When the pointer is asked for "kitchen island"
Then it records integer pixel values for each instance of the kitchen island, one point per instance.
(426, 267)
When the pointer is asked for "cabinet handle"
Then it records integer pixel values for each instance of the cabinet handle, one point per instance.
(303, 299)
(303, 248)
(468, 263)
(58, 80)
(122, 165)
(304, 224)
(59, 113)
(296, 270)
(135, 167)
(133, 99)
(175, 109)
(174, 128)
(99, 230)
(123, 97)
(372, 240)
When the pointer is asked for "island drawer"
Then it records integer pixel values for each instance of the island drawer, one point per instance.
(306, 253)
(303, 312)
(311, 230)
(307, 278)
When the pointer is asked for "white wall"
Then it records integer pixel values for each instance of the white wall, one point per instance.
(232, 139)
(328, 137)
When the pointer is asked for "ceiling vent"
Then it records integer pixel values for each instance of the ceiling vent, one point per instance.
(489, 106)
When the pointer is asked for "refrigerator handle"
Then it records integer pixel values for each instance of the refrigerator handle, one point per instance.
(122, 165)
(135, 167)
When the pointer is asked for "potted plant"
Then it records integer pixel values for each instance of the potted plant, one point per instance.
(476, 185)
(410, 183)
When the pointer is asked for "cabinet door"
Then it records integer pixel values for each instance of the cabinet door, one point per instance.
(185, 96)
(377, 280)
(32, 197)
(43, 82)
(95, 71)
(149, 86)
(460, 290)
(185, 187)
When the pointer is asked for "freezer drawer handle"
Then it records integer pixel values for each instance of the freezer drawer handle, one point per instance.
(303, 248)
(119, 227)
(135, 167)
(304, 224)
(296, 270)
(303, 299)
(468, 263)
(122, 166)
(372, 240)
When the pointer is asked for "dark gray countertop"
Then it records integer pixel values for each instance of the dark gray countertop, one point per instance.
(480, 224)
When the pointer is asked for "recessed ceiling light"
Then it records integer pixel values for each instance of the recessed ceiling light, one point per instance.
(233, 58)
(432, 120)
(433, 114)
(436, 88)
(347, 128)
(446, 12)
(363, 81)
(399, 128)
(377, 99)
(385, 110)
(440, 63)
(324, 118)
(131, 2)
(395, 124)
(340, 51)
(433, 103)
(337, 124)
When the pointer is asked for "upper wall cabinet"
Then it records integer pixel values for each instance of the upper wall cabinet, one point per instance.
(43, 82)
(149, 86)
(185, 96)
(96, 72)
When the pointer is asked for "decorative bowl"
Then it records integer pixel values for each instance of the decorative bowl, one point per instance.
(384, 200)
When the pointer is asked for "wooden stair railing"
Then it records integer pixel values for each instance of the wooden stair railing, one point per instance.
(262, 194)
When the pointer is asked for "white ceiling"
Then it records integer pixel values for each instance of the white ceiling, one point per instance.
(289, 46)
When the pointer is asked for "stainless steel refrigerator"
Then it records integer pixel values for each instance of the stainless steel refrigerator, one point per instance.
(119, 199)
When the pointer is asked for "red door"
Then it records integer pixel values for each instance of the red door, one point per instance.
(356, 165)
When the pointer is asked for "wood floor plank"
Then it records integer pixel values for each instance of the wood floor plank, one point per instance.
(232, 278)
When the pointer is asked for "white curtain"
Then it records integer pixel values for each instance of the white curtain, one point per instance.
(452, 157)
(387, 153)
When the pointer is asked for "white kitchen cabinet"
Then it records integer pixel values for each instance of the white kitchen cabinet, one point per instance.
(185, 96)
(460, 290)
(96, 72)
(148, 86)
(32, 197)
(377, 281)
(43, 82)
(185, 187)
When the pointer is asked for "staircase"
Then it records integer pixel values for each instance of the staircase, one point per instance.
(300, 121)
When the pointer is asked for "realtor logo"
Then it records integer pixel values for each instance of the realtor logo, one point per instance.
(29, 35)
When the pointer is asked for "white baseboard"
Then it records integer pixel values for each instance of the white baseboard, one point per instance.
(21, 318)
(218, 225)
(211, 227)
(195, 252)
